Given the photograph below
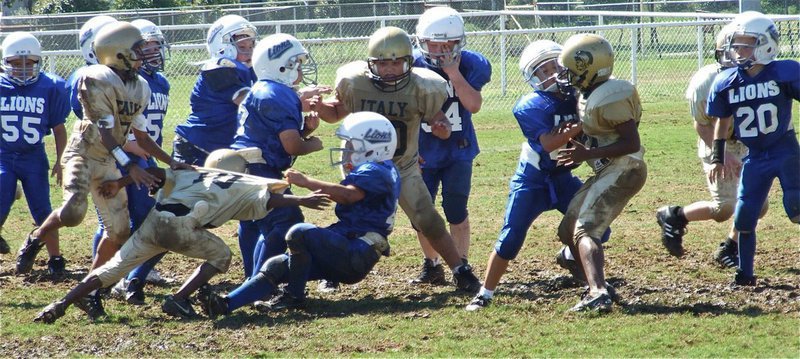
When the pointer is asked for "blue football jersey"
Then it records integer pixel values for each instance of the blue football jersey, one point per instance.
(761, 106)
(462, 144)
(268, 110)
(213, 120)
(72, 90)
(538, 113)
(29, 112)
(380, 182)
(156, 110)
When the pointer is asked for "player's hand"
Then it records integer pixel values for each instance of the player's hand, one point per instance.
(177, 165)
(57, 172)
(716, 173)
(449, 63)
(310, 122)
(316, 200)
(109, 189)
(141, 178)
(295, 177)
(572, 155)
(310, 96)
(441, 128)
(571, 127)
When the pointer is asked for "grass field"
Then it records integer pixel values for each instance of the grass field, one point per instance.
(671, 307)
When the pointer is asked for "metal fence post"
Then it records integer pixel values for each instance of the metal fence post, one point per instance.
(503, 54)
(634, 52)
(699, 45)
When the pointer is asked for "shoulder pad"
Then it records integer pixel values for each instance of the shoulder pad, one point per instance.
(221, 78)
(351, 70)
(611, 91)
(786, 70)
(701, 79)
(221, 62)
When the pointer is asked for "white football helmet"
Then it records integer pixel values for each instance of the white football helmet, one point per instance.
(21, 46)
(278, 57)
(154, 55)
(87, 33)
(366, 137)
(762, 29)
(721, 42)
(441, 24)
(533, 57)
(221, 41)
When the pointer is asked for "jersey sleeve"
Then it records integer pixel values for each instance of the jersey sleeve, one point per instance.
(619, 112)
(223, 77)
(368, 179)
(432, 93)
(59, 105)
(480, 74)
(344, 86)
(97, 101)
(287, 115)
(533, 122)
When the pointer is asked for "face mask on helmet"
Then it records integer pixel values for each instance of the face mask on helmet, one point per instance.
(753, 40)
(233, 37)
(542, 77)
(440, 36)
(22, 56)
(389, 59)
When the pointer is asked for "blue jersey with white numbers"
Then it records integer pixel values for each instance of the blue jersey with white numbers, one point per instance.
(380, 182)
(462, 144)
(761, 106)
(538, 113)
(213, 121)
(156, 110)
(72, 90)
(30, 112)
(268, 110)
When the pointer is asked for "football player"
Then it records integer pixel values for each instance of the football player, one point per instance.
(755, 98)
(345, 251)
(673, 219)
(86, 37)
(448, 162)
(155, 51)
(113, 97)
(610, 112)
(270, 120)
(33, 104)
(188, 204)
(388, 84)
(548, 118)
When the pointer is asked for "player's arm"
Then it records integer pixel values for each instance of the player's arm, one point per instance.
(469, 97)
(560, 135)
(330, 111)
(312, 200)
(110, 188)
(296, 145)
(338, 193)
(148, 145)
(60, 135)
(627, 143)
(718, 160)
(132, 146)
(440, 125)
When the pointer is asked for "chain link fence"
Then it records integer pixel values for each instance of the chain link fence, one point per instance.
(659, 54)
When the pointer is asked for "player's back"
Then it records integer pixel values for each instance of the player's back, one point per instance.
(30, 111)
(226, 195)
(609, 105)
(421, 98)
(380, 182)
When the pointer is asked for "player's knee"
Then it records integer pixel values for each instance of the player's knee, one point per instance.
(276, 268)
(430, 224)
(74, 211)
(223, 262)
(722, 211)
(791, 202)
(565, 233)
(295, 237)
(455, 208)
(508, 247)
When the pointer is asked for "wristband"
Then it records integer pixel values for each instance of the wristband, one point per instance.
(121, 157)
(718, 151)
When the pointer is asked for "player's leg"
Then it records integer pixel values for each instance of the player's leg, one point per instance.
(456, 185)
(432, 271)
(789, 177)
(113, 211)
(36, 185)
(249, 237)
(8, 189)
(274, 271)
(757, 176)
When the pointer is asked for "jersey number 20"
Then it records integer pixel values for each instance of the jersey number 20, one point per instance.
(763, 114)
(11, 132)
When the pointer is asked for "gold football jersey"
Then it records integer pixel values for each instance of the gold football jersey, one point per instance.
(609, 105)
(419, 100)
(697, 93)
(110, 103)
(217, 196)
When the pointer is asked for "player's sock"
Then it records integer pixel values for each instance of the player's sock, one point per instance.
(567, 253)
(248, 243)
(144, 269)
(486, 293)
(681, 216)
(255, 288)
(747, 252)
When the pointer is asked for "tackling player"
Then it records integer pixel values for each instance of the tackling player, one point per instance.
(448, 162)
(756, 99)
(610, 113)
(387, 84)
(188, 203)
(33, 104)
(345, 251)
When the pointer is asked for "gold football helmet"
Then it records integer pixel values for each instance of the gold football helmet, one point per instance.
(389, 43)
(588, 60)
(226, 159)
(119, 46)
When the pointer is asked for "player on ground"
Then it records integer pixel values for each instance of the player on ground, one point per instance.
(188, 203)
(33, 104)
(548, 118)
(610, 112)
(448, 162)
(345, 251)
(271, 121)
(674, 219)
(756, 99)
(387, 83)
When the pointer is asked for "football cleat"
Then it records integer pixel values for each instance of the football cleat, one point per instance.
(4, 248)
(51, 313)
(155, 277)
(672, 229)
(327, 286)
(465, 279)
(740, 279)
(27, 254)
(571, 265)
(180, 309)
(284, 301)
(727, 254)
(92, 305)
(600, 303)
(477, 303)
(134, 292)
(57, 267)
(431, 274)
(212, 304)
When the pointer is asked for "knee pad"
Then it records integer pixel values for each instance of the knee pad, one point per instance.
(455, 207)
(276, 268)
(565, 233)
(431, 224)
(296, 235)
(791, 202)
(722, 211)
(510, 243)
(74, 210)
(223, 263)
